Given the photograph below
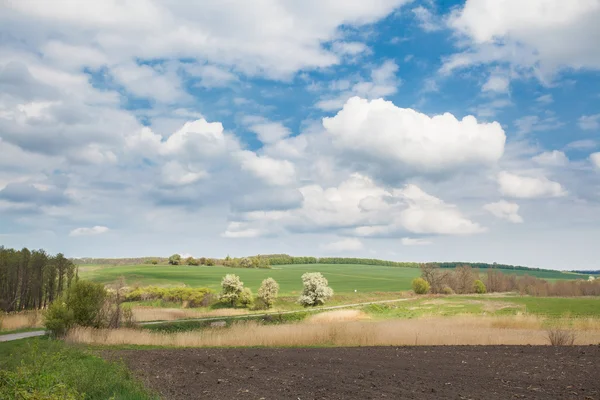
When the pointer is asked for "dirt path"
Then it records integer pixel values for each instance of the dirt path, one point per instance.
(23, 335)
(242, 316)
(452, 372)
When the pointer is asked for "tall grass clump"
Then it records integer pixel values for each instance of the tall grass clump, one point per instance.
(422, 331)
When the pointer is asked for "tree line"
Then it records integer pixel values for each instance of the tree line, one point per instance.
(32, 279)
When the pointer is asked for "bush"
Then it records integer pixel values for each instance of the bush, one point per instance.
(246, 297)
(268, 291)
(194, 296)
(561, 337)
(447, 290)
(232, 287)
(191, 261)
(420, 286)
(210, 262)
(82, 304)
(480, 287)
(58, 318)
(175, 259)
(316, 290)
(86, 300)
(154, 262)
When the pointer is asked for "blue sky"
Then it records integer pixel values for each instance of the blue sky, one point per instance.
(408, 130)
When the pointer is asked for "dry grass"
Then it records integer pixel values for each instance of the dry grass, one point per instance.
(141, 314)
(425, 331)
(25, 319)
(337, 316)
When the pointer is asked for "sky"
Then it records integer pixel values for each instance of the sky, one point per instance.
(404, 130)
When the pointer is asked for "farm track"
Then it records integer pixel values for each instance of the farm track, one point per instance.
(441, 372)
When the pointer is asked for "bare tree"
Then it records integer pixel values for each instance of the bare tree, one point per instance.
(435, 276)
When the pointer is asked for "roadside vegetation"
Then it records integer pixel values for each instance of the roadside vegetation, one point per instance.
(49, 369)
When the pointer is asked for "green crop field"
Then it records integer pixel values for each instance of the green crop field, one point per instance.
(343, 278)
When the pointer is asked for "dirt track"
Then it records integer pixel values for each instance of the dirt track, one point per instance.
(457, 372)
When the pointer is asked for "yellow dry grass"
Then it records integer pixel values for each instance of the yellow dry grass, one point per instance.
(141, 314)
(25, 319)
(425, 331)
(338, 316)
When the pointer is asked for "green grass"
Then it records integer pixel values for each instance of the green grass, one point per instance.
(560, 306)
(552, 307)
(343, 278)
(50, 369)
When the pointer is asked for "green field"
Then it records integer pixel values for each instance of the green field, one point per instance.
(343, 278)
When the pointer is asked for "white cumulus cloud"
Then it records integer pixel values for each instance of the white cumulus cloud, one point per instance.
(552, 158)
(378, 131)
(525, 187)
(505, 210)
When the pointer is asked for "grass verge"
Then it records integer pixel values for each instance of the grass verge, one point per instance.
(50, 369)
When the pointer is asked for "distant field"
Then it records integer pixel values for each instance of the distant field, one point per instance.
(343, 278)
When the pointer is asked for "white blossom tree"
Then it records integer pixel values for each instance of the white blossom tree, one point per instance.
(231, 288)
(268, 291)
(316, 290)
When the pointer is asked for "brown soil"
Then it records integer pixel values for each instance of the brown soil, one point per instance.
(443, 372)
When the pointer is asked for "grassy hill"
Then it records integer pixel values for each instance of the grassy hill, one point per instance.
(343, 278)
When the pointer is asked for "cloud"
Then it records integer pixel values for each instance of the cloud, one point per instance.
(358, 207)
(533, 123)
(379, 133)
(383, 83)
(34, 194)
(595, 159)
(211, 76)
(233, 35)
(96, 230)
(272, 171)
(545, 99)
(414, 242)
(267, 131)
(537, 38)
(527, 187)
(496, 83)
(505, 210)
(552, 158)
(344, 245)
(589, 122)
(427, 20)
(584, 144)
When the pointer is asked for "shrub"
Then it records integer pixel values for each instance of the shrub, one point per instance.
(58, 318)
(202, 260)
(447, 290)
(175, 259)
(268, 291)
(480, 287)
(191, 261)
(561, 337)
(232, 287)
(210, 262)
(245, 263)
(316, 290)
(420, 286)
(83, 304)
(246, 297)
(154, 262)
(195, 296)
(86, 300)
